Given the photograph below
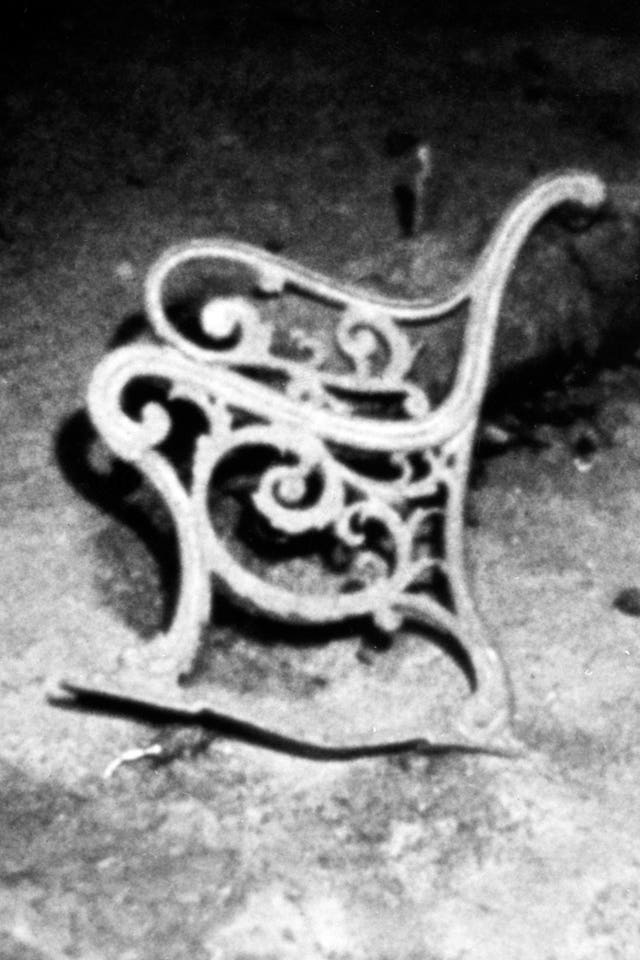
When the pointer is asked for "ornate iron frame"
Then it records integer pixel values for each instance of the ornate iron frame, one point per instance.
(398, 527)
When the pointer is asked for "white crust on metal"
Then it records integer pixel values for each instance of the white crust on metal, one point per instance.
(317, 424)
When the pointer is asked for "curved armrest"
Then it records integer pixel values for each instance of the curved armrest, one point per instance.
(496, 264)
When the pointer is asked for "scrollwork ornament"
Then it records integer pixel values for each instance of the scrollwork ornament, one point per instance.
(236, 329)
(151, 429)
(315, 351)
(374, 345)
(282, 497)
(321, 430)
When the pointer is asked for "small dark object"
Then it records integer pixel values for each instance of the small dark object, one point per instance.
(405, 203)
(585, 449)
(274, 244)
(585, 445)
(628, 601)
(413, 194)
(212, 724)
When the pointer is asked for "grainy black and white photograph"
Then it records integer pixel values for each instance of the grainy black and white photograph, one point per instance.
(319, 480)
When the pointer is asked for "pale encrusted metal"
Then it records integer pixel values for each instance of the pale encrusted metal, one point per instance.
(358, 453)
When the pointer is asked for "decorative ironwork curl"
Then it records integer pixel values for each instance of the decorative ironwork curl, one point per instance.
(377, 485)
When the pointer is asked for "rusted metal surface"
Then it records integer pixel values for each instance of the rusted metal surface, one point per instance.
(352, 454)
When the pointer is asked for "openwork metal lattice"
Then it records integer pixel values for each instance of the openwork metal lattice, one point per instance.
(337, 445)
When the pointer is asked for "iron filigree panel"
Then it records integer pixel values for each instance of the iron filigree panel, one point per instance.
(338, 445)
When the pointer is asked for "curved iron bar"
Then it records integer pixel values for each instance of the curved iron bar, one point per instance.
(308, 421)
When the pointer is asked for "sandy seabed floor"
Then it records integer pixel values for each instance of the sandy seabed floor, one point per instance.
(239, 852)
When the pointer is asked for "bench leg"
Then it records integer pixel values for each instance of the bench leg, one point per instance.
(171, 654)
(488, 712)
